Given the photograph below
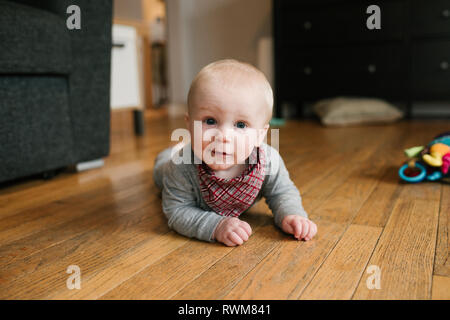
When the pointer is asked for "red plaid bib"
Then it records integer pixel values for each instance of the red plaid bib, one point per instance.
(231, 197)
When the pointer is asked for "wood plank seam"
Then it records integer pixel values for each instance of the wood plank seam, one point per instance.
(198, 275)
(436, 240)
(249, 270)
(323, 261)
(106, 219)
(140, 221)
(368, 260)
(133, 274)
(218, 261)
(346, 267)
(394, 233)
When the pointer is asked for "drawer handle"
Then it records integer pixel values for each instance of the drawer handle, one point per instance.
(446, 13)
(307, 25)
(372, 68)
(444, 65)
(307, 71)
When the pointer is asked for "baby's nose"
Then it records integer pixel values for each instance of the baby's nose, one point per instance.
(225, 135)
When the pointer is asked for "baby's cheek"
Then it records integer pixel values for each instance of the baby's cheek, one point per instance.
(246, 142)
(241, 153)
(205, 145)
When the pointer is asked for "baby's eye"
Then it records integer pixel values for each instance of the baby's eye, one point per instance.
(241, 125)
(210, 121)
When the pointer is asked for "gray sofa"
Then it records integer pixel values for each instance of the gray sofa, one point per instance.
(54, 85)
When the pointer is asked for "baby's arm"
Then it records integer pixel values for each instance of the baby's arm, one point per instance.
(179, 206)
(285, 201)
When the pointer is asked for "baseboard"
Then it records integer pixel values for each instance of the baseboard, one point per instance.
(87, 165)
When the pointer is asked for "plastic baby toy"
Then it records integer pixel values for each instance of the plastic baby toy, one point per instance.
(431, 162)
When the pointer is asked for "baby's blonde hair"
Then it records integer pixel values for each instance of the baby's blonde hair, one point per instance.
(230, 72)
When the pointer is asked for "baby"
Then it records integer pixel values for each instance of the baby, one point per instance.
(229, 166)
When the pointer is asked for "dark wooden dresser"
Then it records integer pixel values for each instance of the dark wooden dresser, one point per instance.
(323, 48)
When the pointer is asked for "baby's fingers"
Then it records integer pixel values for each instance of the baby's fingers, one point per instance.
(288, 228)
(242, 233)
(297, 228)
(233, 237)
(247, 228)
(312, 231)
(305, 228)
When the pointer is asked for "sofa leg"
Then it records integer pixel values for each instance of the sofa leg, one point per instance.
(48, 175)
(83, 166)
(139, 122)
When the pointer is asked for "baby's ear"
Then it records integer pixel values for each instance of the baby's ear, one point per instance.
(186, 119)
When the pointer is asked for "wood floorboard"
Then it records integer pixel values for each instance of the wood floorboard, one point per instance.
(221, 277)
(287, 269)
(340, 273)
(405, 251)
(82, 205)
(441, 288)
(109, 222)
(171, 274)
(90, 251)
(442, 260)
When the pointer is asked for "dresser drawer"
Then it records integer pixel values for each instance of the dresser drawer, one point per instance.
(430, 17)
(338, 23)
(431, 69)
(359, 70)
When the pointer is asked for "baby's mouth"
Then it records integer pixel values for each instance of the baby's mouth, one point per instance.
(223, 154)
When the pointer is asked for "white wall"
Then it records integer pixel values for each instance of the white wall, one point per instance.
(202, 31)
(128, 9)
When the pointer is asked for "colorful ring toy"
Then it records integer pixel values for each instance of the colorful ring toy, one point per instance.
(420, 177)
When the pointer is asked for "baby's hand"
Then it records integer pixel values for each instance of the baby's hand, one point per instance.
(300, 227)
(232, 231)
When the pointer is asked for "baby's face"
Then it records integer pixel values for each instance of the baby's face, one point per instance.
(232, 120)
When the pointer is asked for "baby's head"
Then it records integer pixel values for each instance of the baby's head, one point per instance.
(232, 104)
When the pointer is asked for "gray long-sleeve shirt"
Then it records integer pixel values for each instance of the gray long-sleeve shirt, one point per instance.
(188, 213)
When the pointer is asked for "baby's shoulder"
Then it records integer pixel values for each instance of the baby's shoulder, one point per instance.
(273, 159)
(179, 164)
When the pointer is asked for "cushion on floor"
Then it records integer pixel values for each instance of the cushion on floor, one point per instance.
(344, 111)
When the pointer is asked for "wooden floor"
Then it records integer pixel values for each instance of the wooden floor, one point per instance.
(109, 222)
